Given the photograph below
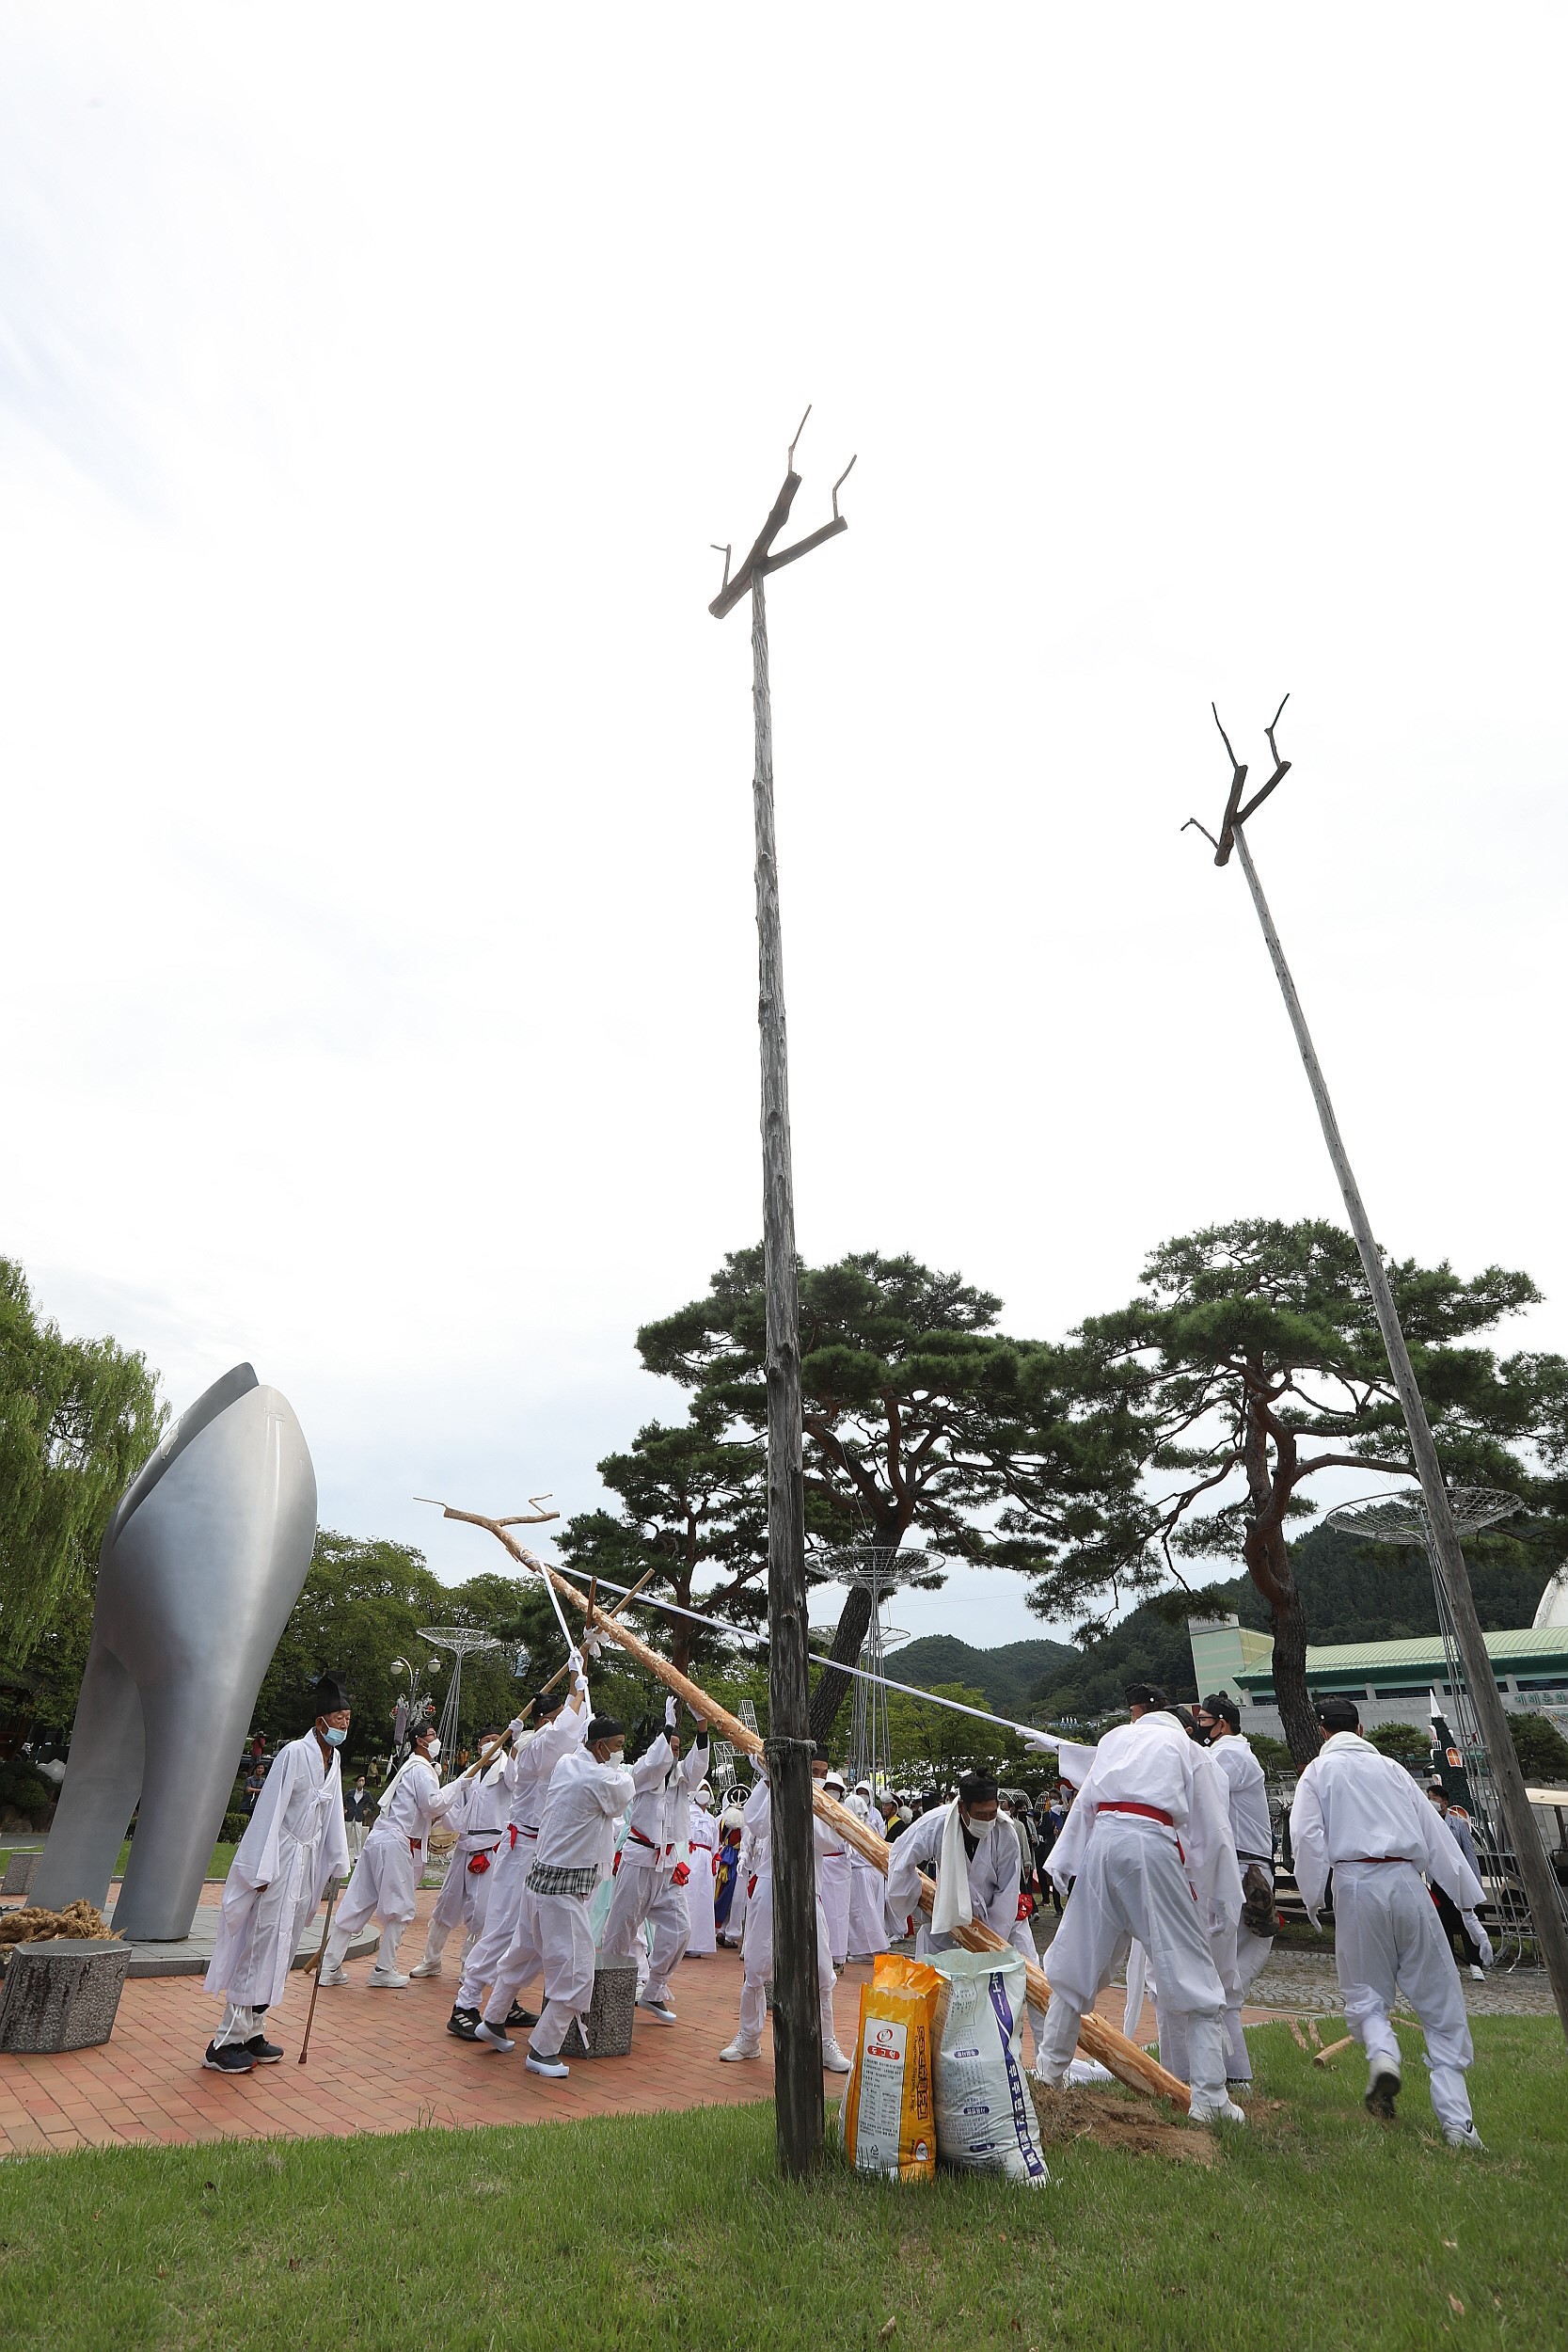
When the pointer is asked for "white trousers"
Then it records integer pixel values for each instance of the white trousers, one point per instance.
(1133, 1884)
(646, 1893)
(757, 1964)
(834, 1884)
(566, 1943)
(465, 1895)
(1387, 1939)
(867, 1910)
(382, 1887)
(486, 1956)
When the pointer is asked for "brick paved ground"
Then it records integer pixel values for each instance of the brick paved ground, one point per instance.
(379, 2063)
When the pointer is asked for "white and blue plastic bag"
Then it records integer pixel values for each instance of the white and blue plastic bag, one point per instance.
(984, 2118)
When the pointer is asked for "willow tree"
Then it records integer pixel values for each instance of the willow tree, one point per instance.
(77, 1420)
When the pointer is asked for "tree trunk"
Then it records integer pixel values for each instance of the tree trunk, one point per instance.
(1274, 1580)
(832, 1689)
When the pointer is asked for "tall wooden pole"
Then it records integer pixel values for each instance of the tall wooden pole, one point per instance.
(797, 2017)
(797, 2023)
(1529, 1853)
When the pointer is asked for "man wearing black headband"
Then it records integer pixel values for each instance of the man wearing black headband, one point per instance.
(558, 1723)
(294, 1845)
(1360, 1815)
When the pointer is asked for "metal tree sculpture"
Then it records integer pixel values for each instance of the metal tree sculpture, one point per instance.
(878, 1569)
(464, 1640)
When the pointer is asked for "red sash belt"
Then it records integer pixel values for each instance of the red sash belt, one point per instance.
(1149, 1812)
(414, 1844)
(1379, 1857)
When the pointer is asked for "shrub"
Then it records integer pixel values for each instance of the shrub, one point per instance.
(20, 1787)
(234, 1827)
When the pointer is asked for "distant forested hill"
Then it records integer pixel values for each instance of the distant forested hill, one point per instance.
(1353, 1592)
(1006, 1676)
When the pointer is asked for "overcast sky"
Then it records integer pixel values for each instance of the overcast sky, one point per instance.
(377, 939)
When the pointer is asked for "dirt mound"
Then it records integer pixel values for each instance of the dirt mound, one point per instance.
(1083, 2111)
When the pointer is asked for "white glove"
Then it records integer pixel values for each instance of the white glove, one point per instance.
(1042, 1741)
(1478, 1936)
(580, 1684)
(672, 1713)
(574, 1663)
(517, 1727)
(594, 1644)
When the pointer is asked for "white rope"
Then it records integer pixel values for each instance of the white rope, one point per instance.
(751, 1633)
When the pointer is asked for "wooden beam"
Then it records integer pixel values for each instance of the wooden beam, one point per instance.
(730, 595)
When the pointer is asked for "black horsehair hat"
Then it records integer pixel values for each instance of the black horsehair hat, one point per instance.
(329, 1694)
(604, 1728)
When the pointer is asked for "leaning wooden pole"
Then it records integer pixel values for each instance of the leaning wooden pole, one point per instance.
(1115, 2051)
(1529, 1853)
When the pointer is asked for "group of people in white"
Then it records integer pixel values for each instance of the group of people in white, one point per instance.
(1165, 1859)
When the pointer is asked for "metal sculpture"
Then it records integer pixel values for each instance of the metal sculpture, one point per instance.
(202, 1562)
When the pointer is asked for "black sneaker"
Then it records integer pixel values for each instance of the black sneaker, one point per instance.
(266, 2053)
(518, 2015)
(232, 2058)
(1382, 2091)
(464, 2023)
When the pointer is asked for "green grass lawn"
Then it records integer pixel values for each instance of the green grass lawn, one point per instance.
(1317, 2228)
(222, 1854)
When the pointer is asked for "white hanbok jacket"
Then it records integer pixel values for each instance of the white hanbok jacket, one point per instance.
(1354, 1805)
(293, 1843)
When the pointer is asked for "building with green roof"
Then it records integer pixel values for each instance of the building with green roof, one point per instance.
(1391, 1682)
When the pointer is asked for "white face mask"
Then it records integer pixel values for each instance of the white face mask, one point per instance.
(975, 1829)
(616, 1758)
(430, 1748)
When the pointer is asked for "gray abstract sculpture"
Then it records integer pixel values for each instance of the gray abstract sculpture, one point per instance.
(202, 1562)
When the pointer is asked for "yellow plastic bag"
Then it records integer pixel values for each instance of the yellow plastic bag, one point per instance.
(887, 2120)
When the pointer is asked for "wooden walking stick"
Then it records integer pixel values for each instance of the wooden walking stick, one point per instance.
(1115, 2051)
(313, 1969)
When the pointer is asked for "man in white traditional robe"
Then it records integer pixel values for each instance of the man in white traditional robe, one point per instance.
(1240, 1951)
(648, 1891)
(868, 1933)
(480, 1821)
(1147, 1843)
(386, 1879)
(588, 1793)
(294, 1847)
(702, 1861)
(1360, 1815)
(834, 1877)
(561, 1725)
(756, 1950)
(970, 1848)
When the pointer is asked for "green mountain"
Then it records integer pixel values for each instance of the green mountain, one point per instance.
(1352, 1592)
(1006, 1676)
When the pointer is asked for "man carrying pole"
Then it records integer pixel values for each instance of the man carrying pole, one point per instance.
(648, 1892)
(386, 1876)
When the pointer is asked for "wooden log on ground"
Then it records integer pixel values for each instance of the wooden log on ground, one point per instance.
(1332, 2050)
(1115, 2051)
